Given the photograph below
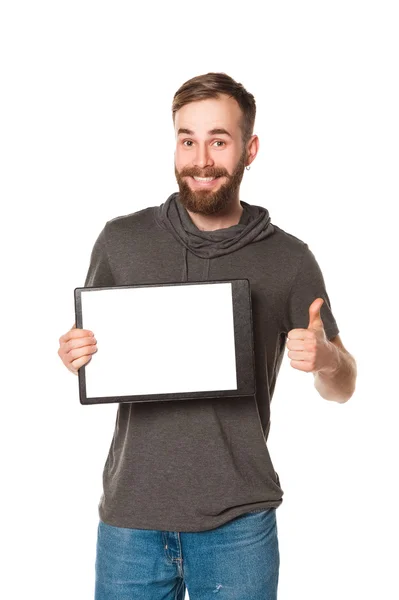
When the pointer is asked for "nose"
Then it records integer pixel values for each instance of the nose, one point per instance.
(202, 157)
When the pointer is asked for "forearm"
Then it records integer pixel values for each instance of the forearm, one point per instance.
(338, 382)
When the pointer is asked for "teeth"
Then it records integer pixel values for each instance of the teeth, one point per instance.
(204, 178)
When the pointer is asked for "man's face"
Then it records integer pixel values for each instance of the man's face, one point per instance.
(209, 145)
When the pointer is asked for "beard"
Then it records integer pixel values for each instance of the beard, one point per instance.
(209, 202)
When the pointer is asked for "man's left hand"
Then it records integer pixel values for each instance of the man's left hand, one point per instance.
(309, 349)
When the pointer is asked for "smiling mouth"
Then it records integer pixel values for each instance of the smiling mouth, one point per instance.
(204, 181)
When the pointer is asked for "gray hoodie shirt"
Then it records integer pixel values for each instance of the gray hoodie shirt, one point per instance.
(192, 465)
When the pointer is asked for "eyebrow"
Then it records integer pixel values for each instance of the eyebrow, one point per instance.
(216, 131)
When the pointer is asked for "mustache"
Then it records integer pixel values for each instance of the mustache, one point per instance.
(209, 173)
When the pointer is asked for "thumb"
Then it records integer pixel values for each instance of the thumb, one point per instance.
(315, 320)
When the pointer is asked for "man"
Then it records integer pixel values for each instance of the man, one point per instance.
(190, 491)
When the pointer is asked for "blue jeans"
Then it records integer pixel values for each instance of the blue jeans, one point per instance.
(240, 560)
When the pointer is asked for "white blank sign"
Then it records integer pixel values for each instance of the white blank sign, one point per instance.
(160, 339)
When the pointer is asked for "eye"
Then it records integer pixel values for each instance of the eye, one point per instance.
(220, 142)
(189, 141)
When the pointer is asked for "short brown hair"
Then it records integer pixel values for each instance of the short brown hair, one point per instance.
(210, 86)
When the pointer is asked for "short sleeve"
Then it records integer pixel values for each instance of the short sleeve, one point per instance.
(307, 286)
(99, 273)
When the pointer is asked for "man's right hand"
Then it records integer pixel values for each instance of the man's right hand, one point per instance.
(76, 348)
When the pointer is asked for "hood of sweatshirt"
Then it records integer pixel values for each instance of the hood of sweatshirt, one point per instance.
(253, 226)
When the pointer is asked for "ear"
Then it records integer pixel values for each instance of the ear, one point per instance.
(252, 149)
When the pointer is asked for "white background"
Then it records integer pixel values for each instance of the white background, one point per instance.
(86, 135)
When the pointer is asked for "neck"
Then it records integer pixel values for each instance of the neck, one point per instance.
(231, 216)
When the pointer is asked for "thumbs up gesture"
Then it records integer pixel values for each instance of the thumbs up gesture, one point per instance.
(309, 349)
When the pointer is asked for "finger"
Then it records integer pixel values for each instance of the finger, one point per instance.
(79, 362)
(295, 345)
(303, 355)
(315, 320)
(299, 334)
(302, 365)
(308, 345)
(82, 351)
(75, 333)
(79, 343)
